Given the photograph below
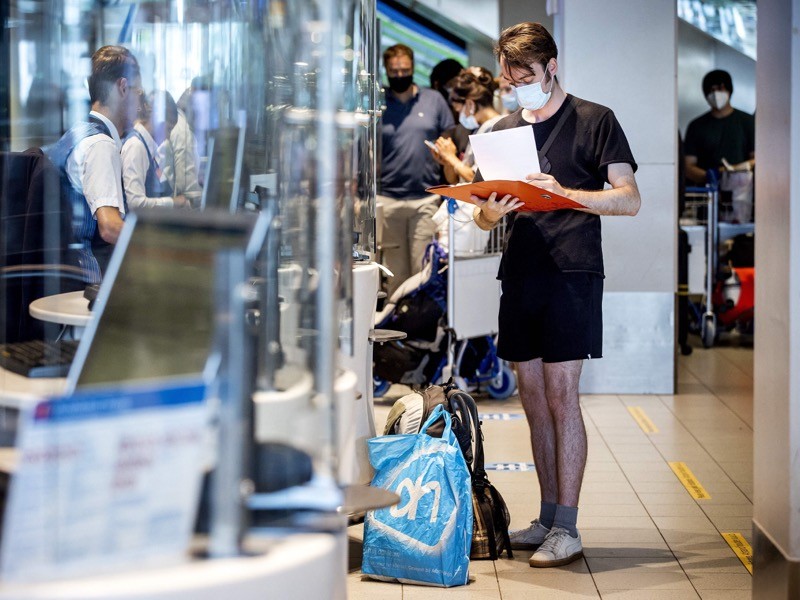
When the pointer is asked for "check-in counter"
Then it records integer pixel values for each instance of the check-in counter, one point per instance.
(280, 569)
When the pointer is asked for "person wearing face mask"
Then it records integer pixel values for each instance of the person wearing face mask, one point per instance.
(506, 98)
(472, 95)
(722, 133)
(443, 77)
(412, 115)
(144, 179)
(551, 273)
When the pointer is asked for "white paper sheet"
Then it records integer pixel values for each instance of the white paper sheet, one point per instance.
(507, 154)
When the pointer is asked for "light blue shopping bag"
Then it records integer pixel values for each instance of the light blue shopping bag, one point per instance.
(426, 537)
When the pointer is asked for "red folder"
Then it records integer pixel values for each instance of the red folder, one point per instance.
(536, 199)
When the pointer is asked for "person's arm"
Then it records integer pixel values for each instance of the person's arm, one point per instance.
(135, 164)
(694, 173)
(109, 223)
(622, 199)
(101, 182)
(454, 168)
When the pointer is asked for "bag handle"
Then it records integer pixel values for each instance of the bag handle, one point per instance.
(544, 164)
(463, 403)
(437, 413)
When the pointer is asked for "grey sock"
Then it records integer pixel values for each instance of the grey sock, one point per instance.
(567, 518)
(547, 513)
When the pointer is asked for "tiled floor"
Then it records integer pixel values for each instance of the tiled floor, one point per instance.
(645, 537)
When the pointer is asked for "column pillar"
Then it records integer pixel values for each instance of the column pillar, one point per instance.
(623, 55)
(776, 395)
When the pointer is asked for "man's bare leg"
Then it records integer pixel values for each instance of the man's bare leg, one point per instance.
(561, 388)
(531, 379)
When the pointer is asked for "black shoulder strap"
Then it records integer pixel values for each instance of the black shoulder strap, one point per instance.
(464, 403)
(544, 164)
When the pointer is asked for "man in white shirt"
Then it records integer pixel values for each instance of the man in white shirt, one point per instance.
(144, 178)
(180, 160)
(88, 156)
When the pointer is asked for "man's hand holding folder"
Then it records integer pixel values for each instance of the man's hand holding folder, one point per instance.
(536, 193)
(528, 196)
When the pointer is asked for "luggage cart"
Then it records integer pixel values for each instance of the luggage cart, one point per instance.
(472, 323)
(702, 206)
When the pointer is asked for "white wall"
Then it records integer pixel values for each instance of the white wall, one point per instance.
(606, 51)
(514, 11)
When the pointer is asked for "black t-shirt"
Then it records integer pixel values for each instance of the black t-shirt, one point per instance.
(710, 139)
(590, 140)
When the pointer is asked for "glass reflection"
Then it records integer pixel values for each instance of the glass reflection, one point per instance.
(277, 113)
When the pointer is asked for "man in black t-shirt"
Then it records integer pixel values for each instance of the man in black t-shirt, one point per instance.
(723, 132)
(552, 274)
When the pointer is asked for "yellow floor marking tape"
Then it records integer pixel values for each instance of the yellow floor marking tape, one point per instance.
(637, 412)
(741, 548)
(689, 481)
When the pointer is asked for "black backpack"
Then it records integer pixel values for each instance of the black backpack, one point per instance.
(490, 513)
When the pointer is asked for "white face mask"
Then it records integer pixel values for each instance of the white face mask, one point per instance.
(531, 96)
(509, 100)
(718, 99)
(468, 121)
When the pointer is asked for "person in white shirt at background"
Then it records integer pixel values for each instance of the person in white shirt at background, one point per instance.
(178, 155)
(142, 176)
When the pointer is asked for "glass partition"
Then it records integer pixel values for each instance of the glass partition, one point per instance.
(276, 114)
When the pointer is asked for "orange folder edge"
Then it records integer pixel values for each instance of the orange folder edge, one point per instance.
(536, 199)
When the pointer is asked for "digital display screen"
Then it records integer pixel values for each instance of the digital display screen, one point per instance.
(158, 320)
(430, 47)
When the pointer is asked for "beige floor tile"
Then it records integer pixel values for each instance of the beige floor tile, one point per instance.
(418, 592)
(743, 525)
(725, 594)
(654, 498)
(707, 564)
(606, 522)
(650, 595)
(363, 588)
(548, 594)
(728, 510)
(721, 581)
(611, 510)
(659, 487)
(638, 574)
(623, 497)
(599, 537)
(736, 497)
(699, 524)
(683, 509)
(553, 582)
(657, 549)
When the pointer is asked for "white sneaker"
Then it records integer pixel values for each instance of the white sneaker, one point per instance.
(529, 538)
(558, 548)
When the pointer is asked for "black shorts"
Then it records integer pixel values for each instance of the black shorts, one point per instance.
(551, 315)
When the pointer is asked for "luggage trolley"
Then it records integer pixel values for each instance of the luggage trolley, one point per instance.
(702, 206)
(471, 323)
